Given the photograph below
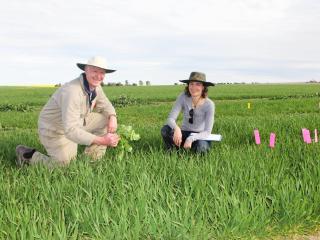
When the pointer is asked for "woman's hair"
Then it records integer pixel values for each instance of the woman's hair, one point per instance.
(204, 93)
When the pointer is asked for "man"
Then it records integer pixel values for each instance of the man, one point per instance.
(77, 113)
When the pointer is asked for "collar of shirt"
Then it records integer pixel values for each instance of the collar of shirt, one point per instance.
(91, 94)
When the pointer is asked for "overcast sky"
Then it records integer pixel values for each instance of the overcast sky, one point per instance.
(161, 41)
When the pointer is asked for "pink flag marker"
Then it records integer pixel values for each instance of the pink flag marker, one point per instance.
(315, 135)
(257, 136)
(272, 140)
(304, 134)
(307, 136)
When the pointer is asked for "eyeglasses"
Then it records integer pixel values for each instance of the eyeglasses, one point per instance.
(191, 116)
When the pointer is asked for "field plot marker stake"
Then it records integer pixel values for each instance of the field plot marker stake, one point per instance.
(272, 140)
(249, 105)
(257, 136)
(315, 135)
(306, 135)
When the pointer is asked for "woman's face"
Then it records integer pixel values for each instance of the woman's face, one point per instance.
(196, 89)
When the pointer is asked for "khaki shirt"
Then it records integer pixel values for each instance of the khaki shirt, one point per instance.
(66, 111)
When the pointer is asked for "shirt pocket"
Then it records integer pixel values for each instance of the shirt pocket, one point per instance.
(83, 112)
(84, 108)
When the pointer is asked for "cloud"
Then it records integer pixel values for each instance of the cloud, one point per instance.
(161, 41)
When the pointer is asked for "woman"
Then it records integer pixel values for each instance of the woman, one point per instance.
(198, 116)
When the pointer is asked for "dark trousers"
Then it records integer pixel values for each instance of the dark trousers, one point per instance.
(199, 146)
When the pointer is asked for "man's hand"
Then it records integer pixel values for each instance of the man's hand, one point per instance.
(177, 136)
(109, 139)
(112, 124)
(112, 139)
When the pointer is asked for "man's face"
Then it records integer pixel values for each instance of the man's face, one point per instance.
(94, 76)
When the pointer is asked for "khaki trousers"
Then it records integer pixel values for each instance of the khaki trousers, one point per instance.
(61, 150)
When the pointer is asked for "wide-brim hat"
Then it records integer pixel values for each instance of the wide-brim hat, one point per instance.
(197, 77)
(96, 61)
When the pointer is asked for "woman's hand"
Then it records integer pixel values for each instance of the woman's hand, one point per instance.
(177, 136)
(187, 144)
(112, 124)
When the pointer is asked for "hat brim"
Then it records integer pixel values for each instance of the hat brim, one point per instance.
(82, 66)
(204, 83)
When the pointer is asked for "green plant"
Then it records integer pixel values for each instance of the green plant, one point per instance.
(124, 101)
(237, 191)
(127, 135)
(7, 107)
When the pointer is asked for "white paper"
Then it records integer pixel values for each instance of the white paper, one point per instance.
(211, 137)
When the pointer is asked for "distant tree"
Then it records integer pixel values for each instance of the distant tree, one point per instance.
(58, 85)
(175, 83)
(148, 83)
(312, 81)
(140, 83)
(134, 84)
(126, 82)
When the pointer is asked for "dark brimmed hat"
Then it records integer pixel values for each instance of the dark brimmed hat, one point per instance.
(198, 77)
(97, 61)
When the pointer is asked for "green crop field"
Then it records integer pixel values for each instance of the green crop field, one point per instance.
(239, 190)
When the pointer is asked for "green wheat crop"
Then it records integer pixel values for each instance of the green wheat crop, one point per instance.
(238, 190)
